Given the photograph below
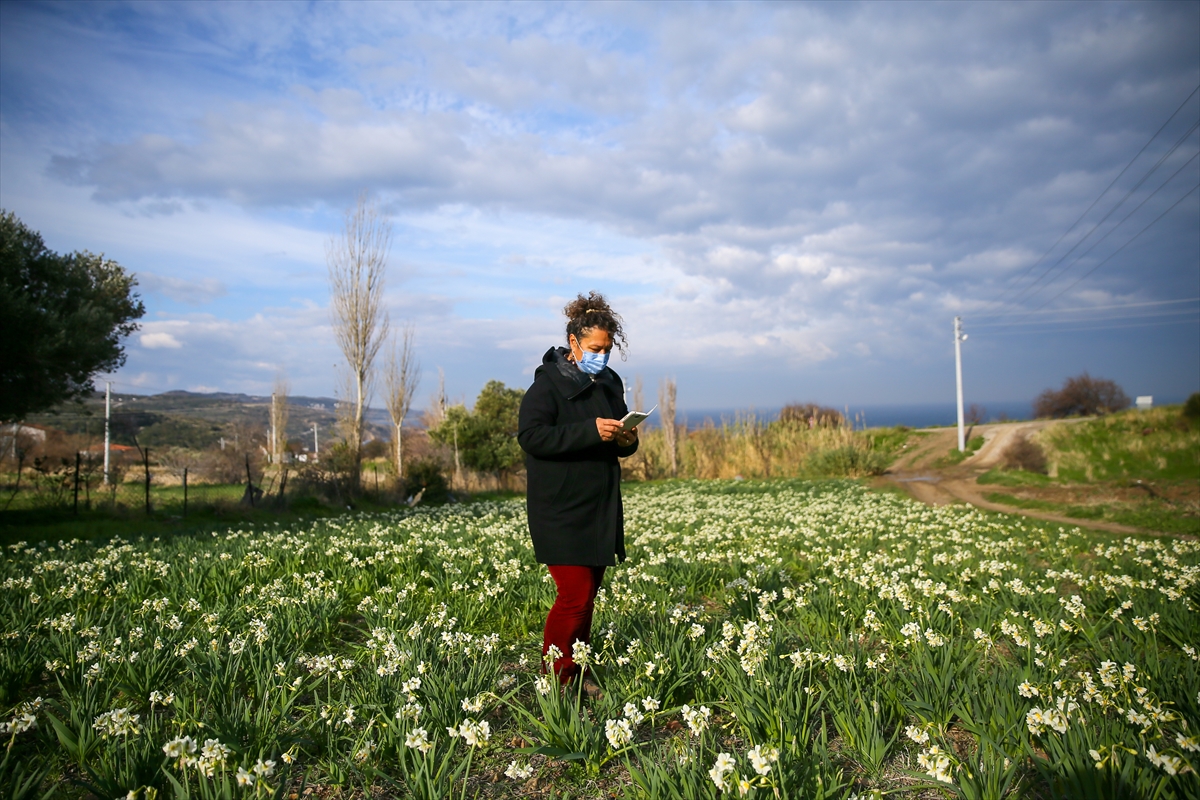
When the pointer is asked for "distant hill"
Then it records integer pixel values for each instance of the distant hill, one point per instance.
(202, 419)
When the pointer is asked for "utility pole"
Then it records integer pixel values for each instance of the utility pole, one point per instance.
(959, 338)
(274, 437)
(316, 444)
(107, 417)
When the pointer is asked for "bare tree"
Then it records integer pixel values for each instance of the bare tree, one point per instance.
(976, 414)
(357, 261)
(666, 406)
(401, 374)
(279, 417)
(436, 412)
(639, 463)
(1081, 395)
(344, 407)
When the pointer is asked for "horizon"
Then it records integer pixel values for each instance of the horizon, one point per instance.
(866, 415)
(783, 200)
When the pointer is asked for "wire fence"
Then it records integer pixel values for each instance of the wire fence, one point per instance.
(81, 485)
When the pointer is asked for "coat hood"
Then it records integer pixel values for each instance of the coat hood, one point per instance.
(570, 379)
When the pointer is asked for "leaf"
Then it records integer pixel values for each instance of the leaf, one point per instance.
(552, 752)
(180, 792)
(69, 740)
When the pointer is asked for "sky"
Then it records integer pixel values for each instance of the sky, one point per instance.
(785, 202)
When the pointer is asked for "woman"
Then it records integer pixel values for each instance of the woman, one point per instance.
(571, 433)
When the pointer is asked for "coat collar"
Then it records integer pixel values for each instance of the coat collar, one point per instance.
(568, 378)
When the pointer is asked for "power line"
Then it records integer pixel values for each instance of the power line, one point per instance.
(1112, 210)
(1035, 264)
(1113, 229)
(1118, 250)
(1077, 320)
(1095, 308)
(1099, 327)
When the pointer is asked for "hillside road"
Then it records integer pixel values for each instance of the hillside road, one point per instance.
(917, 471)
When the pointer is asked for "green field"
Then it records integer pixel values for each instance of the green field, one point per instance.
(789, 638)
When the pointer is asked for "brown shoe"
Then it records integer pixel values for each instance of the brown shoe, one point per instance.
(592, 689)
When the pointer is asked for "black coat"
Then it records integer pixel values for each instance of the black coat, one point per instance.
(574, 479)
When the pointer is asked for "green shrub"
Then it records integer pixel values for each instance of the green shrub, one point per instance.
(848, 461)
(426, 475)
(1191, 409)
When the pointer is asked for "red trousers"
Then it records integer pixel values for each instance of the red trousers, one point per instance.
(570, 618)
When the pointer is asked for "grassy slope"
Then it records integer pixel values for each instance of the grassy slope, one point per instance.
(1151, 514)
(1155, 445)
(1156, 448)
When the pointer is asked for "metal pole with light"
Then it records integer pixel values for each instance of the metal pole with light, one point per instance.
(959, 338)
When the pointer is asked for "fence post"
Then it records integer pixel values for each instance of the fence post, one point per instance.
(185, 469)
(146, 465)
(249, 481)
(282, 484)
(76, 506)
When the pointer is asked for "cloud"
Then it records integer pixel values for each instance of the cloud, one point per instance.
(160, 340)
(804, 185)
(181, 290)
(917, 147)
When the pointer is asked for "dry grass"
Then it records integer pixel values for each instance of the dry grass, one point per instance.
(750, 448)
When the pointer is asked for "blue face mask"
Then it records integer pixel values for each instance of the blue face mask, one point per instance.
(593, 363)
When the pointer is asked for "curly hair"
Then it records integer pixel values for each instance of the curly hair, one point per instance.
(585, 313)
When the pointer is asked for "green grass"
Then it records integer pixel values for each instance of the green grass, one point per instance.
(1159, 444)
(957, 456)
(130, 495)
(51, 525)
(1157, 516)
(34, 525)
(889, 441)
(1152, 515)
(1004, 477)
(1078, 512)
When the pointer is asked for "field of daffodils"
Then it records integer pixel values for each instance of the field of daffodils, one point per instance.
(773, 639)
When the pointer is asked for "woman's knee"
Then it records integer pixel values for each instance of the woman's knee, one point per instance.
(573, 581)
(572, 604)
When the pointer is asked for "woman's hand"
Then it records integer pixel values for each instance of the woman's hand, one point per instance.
(609, 428)
(626, 438)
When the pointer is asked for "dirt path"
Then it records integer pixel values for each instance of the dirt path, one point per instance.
(916, 472)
